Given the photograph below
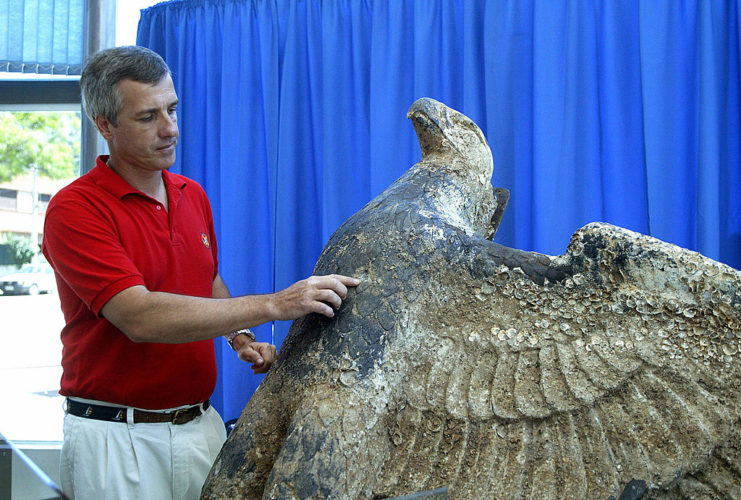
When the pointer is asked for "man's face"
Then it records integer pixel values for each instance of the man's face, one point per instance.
(147, 129)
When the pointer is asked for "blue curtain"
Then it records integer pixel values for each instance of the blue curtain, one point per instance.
(41, 36)
(293, 117)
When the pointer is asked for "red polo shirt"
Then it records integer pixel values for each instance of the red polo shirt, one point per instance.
(102, 236)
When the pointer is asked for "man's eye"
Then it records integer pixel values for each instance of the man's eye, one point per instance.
(172, 111)
(147, 118)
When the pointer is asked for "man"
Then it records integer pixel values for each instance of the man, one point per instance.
(134, 253)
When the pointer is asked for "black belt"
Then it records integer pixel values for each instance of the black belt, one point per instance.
(118, 414)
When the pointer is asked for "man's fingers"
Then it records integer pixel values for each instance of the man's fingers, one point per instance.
(342, 282)
(319, 307)
(269, 355)
(336, 283)
(329, 292)
(327, 283)
(318, 294)
(346, 280)
(329, 297)
(250, 355)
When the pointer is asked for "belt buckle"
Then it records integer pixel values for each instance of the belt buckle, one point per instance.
(181, 416)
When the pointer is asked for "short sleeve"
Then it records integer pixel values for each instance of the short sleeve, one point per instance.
(82, 245)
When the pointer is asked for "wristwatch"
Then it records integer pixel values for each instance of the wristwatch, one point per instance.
(230, 338)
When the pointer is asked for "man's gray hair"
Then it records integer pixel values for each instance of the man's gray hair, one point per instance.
(105, 69)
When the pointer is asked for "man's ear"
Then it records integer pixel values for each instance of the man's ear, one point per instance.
(104, 127)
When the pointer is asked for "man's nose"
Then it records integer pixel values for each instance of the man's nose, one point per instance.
(169, 126)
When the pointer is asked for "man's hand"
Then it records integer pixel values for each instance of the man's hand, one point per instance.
(261, 354)
(318, 294)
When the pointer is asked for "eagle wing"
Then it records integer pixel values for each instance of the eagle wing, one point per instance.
(622, 367)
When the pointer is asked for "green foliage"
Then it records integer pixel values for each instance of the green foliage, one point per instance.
(20, 249)
(50, 141)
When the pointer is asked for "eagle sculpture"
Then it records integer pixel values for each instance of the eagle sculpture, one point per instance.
(491, 371)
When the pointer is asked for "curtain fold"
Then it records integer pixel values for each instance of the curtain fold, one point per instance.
(41, 36)
(293, 117)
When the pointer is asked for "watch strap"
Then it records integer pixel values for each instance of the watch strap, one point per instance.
(230, 338)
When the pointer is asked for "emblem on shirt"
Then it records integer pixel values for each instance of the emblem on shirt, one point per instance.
(204, 240)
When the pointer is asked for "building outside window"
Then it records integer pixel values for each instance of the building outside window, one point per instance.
(16, 208)
(8, 199)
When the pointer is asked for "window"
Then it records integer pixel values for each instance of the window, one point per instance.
(8, 198)
(43, 201)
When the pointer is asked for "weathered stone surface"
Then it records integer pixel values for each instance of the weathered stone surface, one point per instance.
(498, 373)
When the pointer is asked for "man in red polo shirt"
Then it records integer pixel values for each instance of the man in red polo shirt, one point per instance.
(134, 252)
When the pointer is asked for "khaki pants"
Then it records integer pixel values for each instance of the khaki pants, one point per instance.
(112, 460)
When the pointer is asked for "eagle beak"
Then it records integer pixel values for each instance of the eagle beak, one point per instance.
(426, 116)
(425, 113)
(425, 106)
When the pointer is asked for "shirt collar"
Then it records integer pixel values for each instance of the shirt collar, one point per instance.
(174, 185)
(109, 180)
